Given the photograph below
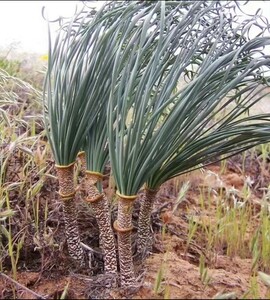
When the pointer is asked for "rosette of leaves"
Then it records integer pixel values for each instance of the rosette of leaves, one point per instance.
(77, 61)
(151, 122)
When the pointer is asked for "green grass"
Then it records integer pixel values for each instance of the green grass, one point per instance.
(12, 67)
(231, 226)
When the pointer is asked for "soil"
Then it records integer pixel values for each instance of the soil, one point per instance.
(44, 268)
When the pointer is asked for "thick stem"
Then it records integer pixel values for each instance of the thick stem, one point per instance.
(144, 237)
(99, 203)
(67, 194)
(72, 231)
(124, 227)
(82, 159)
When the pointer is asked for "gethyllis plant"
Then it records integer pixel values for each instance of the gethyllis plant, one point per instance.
(72, 101)
(203, 137)
(150, 120)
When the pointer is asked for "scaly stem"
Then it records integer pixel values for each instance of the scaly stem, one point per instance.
(99, 203)
(123, 226)
(67, 194)
(144, 237)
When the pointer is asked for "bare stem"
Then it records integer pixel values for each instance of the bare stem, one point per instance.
(124, 227)
(99, 202)
(144, 237)
(67, 194)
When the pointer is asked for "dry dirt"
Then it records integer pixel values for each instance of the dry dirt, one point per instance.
(47, 270)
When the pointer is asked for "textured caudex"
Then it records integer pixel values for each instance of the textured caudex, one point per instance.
(67, 194)
(123, 226)
(83, 168)
(144, 236)
(99, 204)
(82, 158)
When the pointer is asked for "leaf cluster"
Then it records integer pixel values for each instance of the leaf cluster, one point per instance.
(115, 87)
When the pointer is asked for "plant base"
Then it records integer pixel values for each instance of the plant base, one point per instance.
(99, 203)
(144, 236)
(124, 227)
(67, 194)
